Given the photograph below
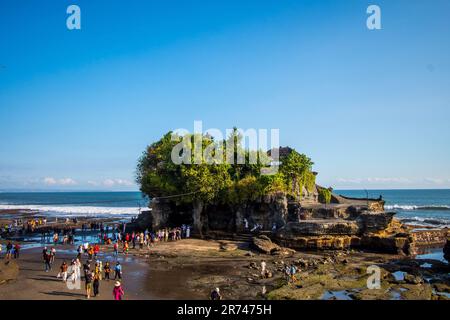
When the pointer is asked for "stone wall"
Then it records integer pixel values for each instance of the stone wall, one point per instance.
(430, 237)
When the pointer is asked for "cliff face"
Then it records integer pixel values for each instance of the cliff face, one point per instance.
(305, 224)
(447, 250)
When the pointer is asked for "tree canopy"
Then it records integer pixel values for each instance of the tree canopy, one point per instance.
(218, 181)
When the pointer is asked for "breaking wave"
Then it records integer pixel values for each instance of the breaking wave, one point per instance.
(415, 207)
(74, 210)
(427, 221)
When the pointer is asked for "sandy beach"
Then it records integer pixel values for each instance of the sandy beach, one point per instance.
(190, 268)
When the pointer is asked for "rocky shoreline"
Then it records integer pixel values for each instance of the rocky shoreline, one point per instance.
(190, 268)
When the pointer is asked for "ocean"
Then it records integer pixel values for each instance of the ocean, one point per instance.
(425, 207)
(76, 203)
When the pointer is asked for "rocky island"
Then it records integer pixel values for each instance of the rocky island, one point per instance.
(226, 202)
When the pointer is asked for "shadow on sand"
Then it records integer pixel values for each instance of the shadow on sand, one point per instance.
(65, 294)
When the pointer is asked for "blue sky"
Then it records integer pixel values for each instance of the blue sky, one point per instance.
(77, 108)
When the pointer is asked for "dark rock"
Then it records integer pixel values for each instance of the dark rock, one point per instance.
(412, 279)
(447, 250)
(374, 221)
(318, 228)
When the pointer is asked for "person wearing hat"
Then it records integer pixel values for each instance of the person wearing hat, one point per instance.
(215, 294)
(118, 292)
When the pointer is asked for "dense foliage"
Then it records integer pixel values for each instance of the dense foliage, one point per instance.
(221, 182)
(324, 195)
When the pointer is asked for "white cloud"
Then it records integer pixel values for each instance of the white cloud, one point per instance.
(50, 181)
(436, 180)
(374, 180)
(393, 181)
(117, 182)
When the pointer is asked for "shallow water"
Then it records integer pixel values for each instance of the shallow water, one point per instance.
(339, 295)
(399, 275)
(432, 254)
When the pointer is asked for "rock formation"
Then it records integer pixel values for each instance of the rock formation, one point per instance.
(447, 250)
(302, 225)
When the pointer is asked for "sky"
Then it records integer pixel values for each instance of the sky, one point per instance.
(78, 107)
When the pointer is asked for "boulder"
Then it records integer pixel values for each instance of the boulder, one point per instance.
(228, 246)
(263, 244)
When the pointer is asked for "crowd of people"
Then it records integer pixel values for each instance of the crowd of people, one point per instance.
(12, 250)
(95, 271)
(22, 225)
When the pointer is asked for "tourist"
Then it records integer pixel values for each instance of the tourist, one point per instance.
(77, 269)
(125, 247)
(107, 269)
(47, 261)
(80, 251)
(16, 251)
(96, 249)
(287, 273)
(292, 272)
(9, 248)
(118, 271)
(88, 282)
(1, 249)
(245, 224)
(188, 232)
(118, 292)
(116, 249)
(215, 294)
(63, 271)
(86, 247)
(96, 283)
(44, 253)
(52, 254)
(263, 268)
(141, 241)
(133, 239)
(55, 238)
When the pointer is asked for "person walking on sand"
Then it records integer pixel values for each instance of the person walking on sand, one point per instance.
(77, 269)
(96, 284)
(16, 251)
(118, 271)
(79, 251)
(9, 248)
(52, 254)
(47, 261)
(118, 292)
(107, 269)
(215, 294)
(88, 279)
(125, 247)
(63, 271)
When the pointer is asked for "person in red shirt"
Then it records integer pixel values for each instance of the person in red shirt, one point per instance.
(96, 250)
